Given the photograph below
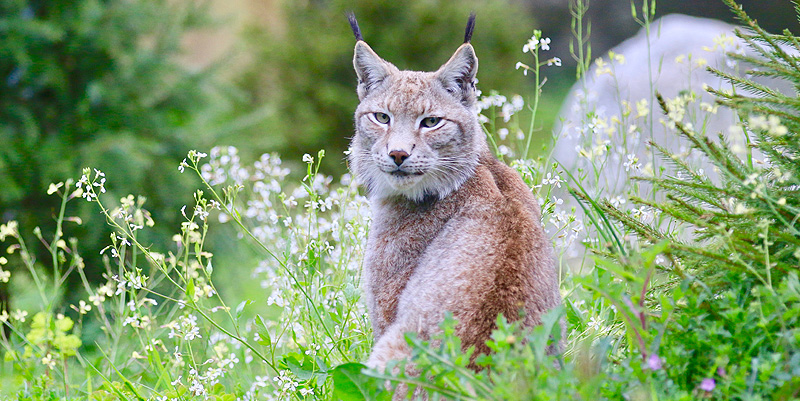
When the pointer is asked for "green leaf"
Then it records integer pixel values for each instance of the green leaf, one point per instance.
(240, 308)
(618, 270)
(649, 255)
(262, 331)
(349, 384)
(190, 289)
(550, 326)
(303, 366)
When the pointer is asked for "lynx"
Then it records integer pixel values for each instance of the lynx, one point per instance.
(453, 228)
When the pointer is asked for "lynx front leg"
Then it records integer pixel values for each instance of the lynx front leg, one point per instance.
(391, 346)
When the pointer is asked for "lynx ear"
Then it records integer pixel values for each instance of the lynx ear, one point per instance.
(370, 68)
(458, 74)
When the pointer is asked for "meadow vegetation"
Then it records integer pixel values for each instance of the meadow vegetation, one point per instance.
(693, 296)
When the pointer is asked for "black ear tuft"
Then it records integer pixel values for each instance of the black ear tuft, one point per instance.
(470, 27)
(354, 25)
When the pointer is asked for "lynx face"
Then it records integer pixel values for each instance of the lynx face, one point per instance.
(417, 133)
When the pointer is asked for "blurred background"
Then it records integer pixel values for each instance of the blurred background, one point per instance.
(129, 86)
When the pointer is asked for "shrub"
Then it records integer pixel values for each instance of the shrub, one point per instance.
(734, 330)
(98, 83)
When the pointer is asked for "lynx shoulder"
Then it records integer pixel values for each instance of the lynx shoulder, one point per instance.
(454, 229)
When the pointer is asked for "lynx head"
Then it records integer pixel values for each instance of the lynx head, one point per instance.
(417, 133)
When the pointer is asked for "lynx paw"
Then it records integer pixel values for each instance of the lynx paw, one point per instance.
(390, 347)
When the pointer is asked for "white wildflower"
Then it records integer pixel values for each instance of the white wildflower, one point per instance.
(8, 230)
(758, 123)
(53, 188)
(502, 133)
(632, 163)
(544, 43)
(49, 361)
(82, 308)
(554, 61)
(525, 67)
(19, 315)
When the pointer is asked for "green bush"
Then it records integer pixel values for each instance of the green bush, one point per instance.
(734, 324)
(90, 82)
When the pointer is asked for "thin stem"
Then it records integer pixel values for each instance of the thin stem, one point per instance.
(29, 264)
(536, 96)
(236, 218)
(54, 246)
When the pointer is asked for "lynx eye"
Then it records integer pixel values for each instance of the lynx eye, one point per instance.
(430, 122)
(382, 118)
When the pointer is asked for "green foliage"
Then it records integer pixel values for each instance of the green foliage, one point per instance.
(669, 344)
(746, 220)
(48, 333)
(93, 82)
(745, 337)
(733, 285)
(349, 384)
(164, 328)
(305, 69)
(660, 316)
(519, 368)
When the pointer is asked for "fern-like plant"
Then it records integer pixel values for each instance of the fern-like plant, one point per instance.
(747, 219)
(734, 330)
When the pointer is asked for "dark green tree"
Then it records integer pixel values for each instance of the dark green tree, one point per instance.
(97, 83)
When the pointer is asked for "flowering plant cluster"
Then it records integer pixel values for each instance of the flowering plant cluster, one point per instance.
(163, 321)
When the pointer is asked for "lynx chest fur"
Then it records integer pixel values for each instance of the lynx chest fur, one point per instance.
(454, 229)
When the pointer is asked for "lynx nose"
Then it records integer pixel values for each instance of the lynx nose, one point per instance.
(399, 156)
